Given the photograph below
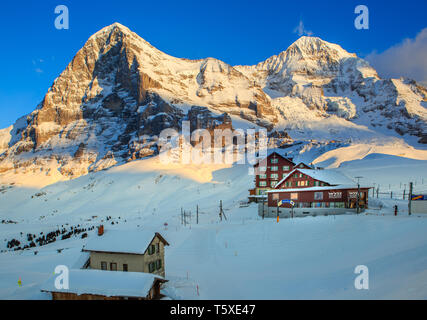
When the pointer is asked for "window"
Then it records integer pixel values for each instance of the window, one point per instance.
(275, 168)
(103, 265)
(301, 175)
(273, 184)
(274, 176)
(262, 169)
(318, 196)
(113, 266)
(285, 168)
(274, 160)
(339, 205)
(152, 249)
(263, 176)
(152, 267)
(263, 183)
(284, 175)
(125, 268)
(296, 175)
(158, 264)
(158, 247)
(294, 196)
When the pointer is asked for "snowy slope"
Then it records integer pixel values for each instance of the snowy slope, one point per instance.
(306, 258)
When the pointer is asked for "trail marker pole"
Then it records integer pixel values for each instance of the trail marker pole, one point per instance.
(410, 198)
(221, 211)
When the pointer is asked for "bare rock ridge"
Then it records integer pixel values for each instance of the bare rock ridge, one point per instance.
(119, 88)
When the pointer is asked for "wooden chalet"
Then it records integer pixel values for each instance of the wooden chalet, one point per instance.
(106, 285)
(311, 192)
(269, 171)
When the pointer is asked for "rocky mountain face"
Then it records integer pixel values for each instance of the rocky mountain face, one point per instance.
(119, 92)
(330, 81)
(116, 96)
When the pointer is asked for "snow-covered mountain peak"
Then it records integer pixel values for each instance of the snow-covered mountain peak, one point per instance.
(110, 28)
(119, 88)
(307, 55)
(314, 46)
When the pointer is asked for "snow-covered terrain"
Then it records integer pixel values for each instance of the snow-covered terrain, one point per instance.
(88, 155)
(243, 257)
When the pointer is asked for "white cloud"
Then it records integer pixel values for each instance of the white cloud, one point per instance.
(37, 65)
(406, 59)
(300, 30)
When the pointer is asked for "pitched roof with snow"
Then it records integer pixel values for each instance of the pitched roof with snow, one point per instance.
(134, 242)
(339, 187)
(274, 151)
(105, 283)
(331, 177)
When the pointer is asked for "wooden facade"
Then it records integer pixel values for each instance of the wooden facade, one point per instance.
(326, 198)
(317, 189)
(154, 294)
(300, 180)
(269, 171)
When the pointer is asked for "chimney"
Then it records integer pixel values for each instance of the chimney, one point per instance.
(100, 230)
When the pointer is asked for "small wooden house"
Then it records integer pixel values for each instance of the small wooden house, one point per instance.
(106, 285)
(128, 251)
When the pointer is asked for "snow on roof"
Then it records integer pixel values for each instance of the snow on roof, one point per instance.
(339, 187)
(135, 242)
(105, 283)
(272, 151)
(81, 261)
(331, 177)
(300, 163)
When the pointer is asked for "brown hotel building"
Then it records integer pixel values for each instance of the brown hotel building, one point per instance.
(271, 170)
(314, 192)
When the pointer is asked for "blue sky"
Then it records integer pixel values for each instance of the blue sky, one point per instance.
(34, 52)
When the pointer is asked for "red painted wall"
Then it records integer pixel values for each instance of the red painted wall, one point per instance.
(267, 163)
(308, 196)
